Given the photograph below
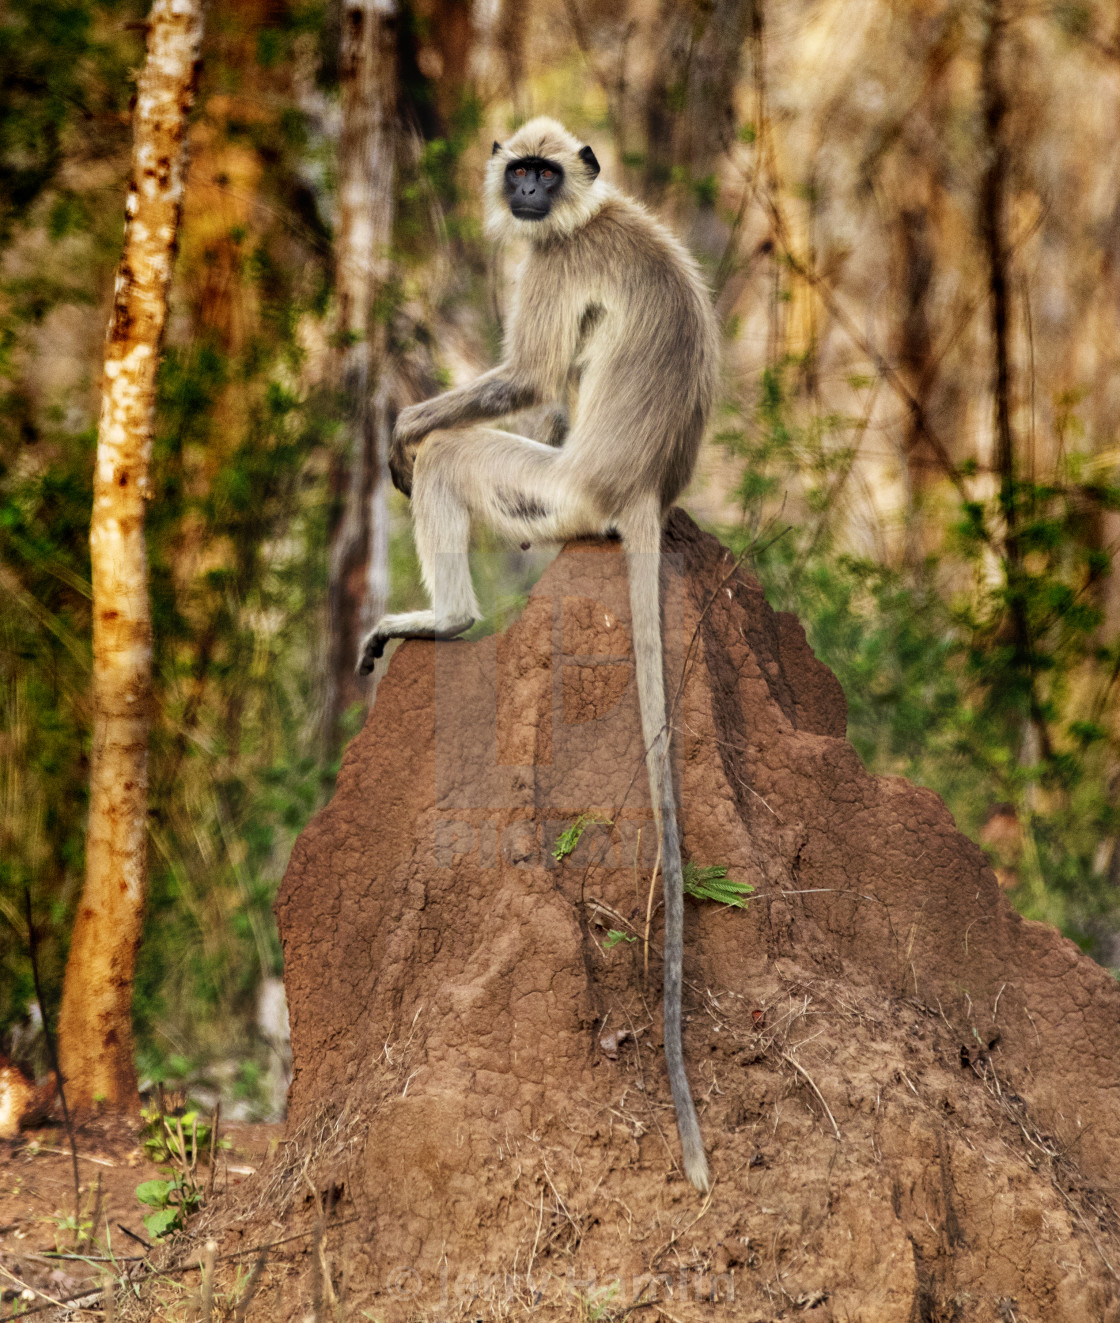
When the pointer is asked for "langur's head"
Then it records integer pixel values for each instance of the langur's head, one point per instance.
(541, 183)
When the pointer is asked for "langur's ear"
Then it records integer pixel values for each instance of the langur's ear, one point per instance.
(587, 156)
(497, 147)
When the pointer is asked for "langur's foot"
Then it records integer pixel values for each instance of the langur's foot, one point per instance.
(416, 625)
(372, 649)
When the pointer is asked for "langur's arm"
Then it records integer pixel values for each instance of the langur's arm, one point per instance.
(493, 395)
(540, 345)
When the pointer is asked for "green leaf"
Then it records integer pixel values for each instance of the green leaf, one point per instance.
(159, 1224)
(154, 1193)
(614, 936)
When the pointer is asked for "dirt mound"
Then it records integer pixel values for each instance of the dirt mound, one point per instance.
(909, 1094)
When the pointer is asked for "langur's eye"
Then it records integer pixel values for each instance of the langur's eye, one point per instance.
(546, 174)
(520, 171)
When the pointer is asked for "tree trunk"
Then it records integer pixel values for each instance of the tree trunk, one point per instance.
(993, 191)
(366, 167)
(690, 111)
(95, 1023)
(993, 207)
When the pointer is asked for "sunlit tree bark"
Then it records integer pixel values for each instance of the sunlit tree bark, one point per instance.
(499, 31)
(95, 1025)
(367, 178)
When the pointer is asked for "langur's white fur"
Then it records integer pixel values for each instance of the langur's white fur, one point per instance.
(607, 299)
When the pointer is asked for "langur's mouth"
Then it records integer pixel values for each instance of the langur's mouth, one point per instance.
(529, 213)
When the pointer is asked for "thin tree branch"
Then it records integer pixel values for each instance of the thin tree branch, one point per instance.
(52, 1052)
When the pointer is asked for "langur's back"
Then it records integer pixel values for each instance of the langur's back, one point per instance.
(648, 365)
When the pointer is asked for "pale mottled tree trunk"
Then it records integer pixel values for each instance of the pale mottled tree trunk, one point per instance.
(497, 50)
(95, 1024)
(367, 177)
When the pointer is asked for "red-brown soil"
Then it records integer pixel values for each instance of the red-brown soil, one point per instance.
(37, 1204)
(911, 1096)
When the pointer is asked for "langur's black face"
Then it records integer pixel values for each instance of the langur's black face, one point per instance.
(532, 182)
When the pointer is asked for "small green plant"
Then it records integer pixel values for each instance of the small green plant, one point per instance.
(173, 1199)
(76, 1228)
(71, 1230)
(595, 1306)
(712, 883)
(569, 838)
(614, 936)
(180, 1140)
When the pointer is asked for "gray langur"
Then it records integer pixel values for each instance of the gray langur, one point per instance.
(608, 300)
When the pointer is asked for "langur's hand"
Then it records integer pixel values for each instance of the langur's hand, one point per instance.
(407, 436)
(401, 461)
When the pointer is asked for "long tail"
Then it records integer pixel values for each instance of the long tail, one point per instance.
(642, 541)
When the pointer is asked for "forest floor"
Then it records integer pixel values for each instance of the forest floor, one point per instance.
(40, 1263)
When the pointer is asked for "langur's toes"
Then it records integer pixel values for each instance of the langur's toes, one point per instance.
(372, 649)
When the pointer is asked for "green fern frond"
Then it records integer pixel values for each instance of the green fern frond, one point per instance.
(712, 883)
(568, 839)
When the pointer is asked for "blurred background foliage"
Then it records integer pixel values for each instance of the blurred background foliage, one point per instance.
(909, 214)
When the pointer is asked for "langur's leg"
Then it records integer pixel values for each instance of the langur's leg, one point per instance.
(524, 490)
(441, 526)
